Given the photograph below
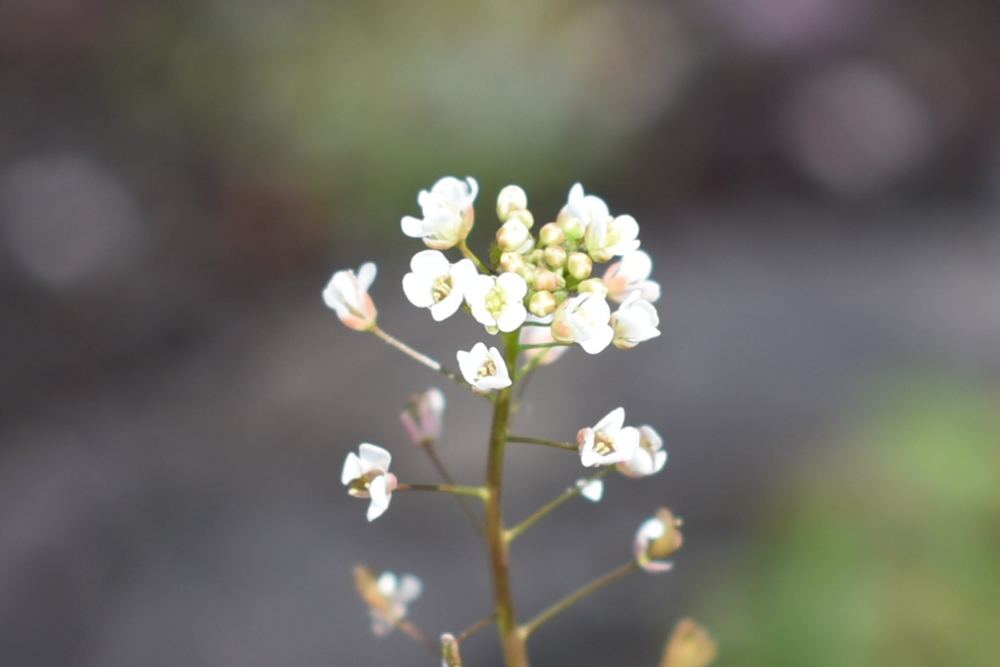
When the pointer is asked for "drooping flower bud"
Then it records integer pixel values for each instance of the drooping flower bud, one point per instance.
(658, 538)
(422, 417)
(347, 294)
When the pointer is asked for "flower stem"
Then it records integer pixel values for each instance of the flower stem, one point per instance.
(446, 476)
(542, 441)
(477, 491)
(475, 260)
(514, 647)
(420, 637)
(514, 532)
(573, 598)
(479, 625)
(422, 358)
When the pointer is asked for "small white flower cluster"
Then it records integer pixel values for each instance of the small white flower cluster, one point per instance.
(638, 452)
(544, 281)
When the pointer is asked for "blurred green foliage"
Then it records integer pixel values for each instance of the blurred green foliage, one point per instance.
(889, 553)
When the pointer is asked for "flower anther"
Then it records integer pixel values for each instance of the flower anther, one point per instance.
(584, 319)
(366, 474)
(484, 369)
(448, 213)
(631, 274)
(649, 457)
(347, 295)
(634, 322)
(498, 302)
(437, 284)
(608, 441)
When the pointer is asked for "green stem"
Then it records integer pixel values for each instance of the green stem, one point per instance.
(540, 346)
(514, 647)
(446, 476)
(476, 491)
(479, 625)
(475, 260)
(571, 492)
(542, 441)
(422, 358)
(573, 598)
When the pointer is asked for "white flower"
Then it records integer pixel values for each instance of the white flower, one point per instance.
(657, 539)
(448, 213)
(531, 335)
(498, 302)
(635, 321)
(368, 476)
(611, 236)
(608, 442)
(347, 294)
(484, 369)
(585, 208)
(422, 417)
(584, 319)
(510, 200)
(631, 274)
(398, 593)
(436, 283)
(592, 490)
(649, 457)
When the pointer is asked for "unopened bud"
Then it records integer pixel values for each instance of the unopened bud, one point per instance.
(525, 216)
(594, 285)
(579, 265)
(689, 645)
(551, 234)
(548, 280)
(658, 538)
(542, 304)
(572, 227)
(512, 198)
(513, 236)
(512, 262)
(555, 256)
(450, 655)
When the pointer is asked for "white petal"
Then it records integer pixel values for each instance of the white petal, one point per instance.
(612, 422)
(592, 490)
(352, 469)
(366, 275)
(380, 498)
(431, 263)
(374, 457)
(410, 588)
(413, 227)
(387, 584)
(599, 341)
(417, 288)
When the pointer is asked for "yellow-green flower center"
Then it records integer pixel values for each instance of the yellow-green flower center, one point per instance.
(441, 288)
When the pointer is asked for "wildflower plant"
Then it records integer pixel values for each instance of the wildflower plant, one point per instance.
(536, 296)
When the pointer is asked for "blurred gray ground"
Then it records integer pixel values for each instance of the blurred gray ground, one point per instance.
(187, 509)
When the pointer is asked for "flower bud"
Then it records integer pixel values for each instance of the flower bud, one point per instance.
(450, 655)
(658, 538)
(513, 236)
(422, 417)
(512, 262)
(548, 280)
(542, 303)
(579, 265)
(593, 285)
(512, 198)
(347, 295)
(536, 256)
(689, 645)
(572, 227)
(551, 234)
(525, 216)
(555, 256)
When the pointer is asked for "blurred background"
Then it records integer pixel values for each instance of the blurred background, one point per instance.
(818, 182)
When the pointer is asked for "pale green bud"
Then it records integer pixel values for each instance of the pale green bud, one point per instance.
(513, 236)
(511, 199)
(555, 256)
(572, 227)
(595, 285)
(551, 234)
(525, 216)
(689, 645)
(512, 262)
(548, 280)
(542, 303)
(579, 265)
(449, 651)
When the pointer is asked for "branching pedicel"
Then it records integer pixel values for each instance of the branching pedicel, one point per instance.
(537, 294)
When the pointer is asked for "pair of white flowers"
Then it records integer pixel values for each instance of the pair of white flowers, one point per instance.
(435, 283)
(638, 452)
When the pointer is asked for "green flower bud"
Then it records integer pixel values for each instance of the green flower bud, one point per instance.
(572, 227)
(555, 256)
(579, 265)
(511, 199)
(542, 303)
(551, 234)
(595, 285)
(513, 236)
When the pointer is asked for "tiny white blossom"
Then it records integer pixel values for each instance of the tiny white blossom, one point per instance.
(656, 539)
(367, 475)
(539, 336)
(484, 369)
(398, 593)
(635, 321)
(584, 319)
(422, 417)
(498, 302)
(631, 274)
(608, 441)
(583, 207)
(592, 490)
(347, 294)
(448, 213)
(649, 457)
(611, 236)
(511, 199)
(437, 284)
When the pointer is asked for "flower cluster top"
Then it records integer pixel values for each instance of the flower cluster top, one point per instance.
(543, 280)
